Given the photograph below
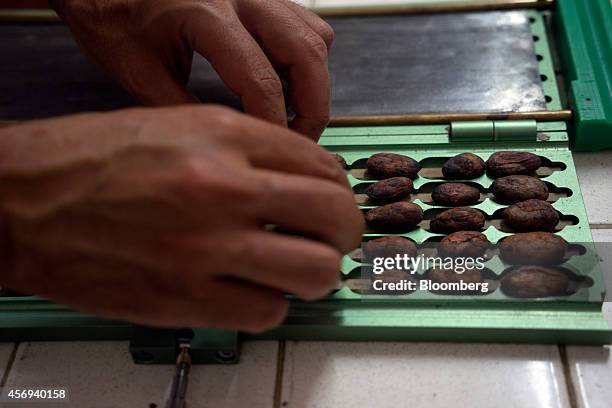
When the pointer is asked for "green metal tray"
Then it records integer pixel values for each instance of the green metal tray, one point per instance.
(422, 315)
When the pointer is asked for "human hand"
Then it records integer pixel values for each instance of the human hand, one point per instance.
(148, 45)
(159, 216)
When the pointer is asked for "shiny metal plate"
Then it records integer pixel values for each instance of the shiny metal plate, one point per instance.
(380, 65)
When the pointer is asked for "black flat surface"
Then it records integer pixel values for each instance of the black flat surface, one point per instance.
(467, 62)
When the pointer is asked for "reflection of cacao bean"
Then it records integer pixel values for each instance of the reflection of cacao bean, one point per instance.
(393, 276)
(457, 219)
(449, 275)
(390, 189)
(535, 282)
(340, 161)
(512, 189)
(455, 194)
(502, 164)
(464, 166)
(472, 244)
(401, 216)
(531, 215)
(387, 247)
(534, 248)
(385, 165)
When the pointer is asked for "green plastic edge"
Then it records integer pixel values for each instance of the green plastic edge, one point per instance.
(583, 30)
(541, 48)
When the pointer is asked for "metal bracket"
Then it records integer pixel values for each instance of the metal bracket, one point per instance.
(159, 346)
(494, 130)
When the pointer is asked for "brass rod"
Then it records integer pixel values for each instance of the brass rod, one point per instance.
(437, 118)
(49, 16)
(29, 16)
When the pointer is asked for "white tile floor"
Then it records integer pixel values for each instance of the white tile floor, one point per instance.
(595, 168)
(591, 367)
(319, 374)
(101, 375)
(591, 372)
(5, 354)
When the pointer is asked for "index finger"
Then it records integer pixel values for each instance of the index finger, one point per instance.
(240, 62)
(294, 44)
(276, 148)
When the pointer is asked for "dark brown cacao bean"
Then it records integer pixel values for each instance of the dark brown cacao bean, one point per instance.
(450, 276)
(472, 244)
(388, 247)
(533, 248)
(503, 164)
(531, 215)
(385, 165)
(401, 216)
(390, 189)
(457, 219)
(455, 194)
(340, 161)
(464, 166)
(512, 189)
(536, 282)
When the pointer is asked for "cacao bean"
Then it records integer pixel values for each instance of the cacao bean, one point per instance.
(385, 165)
(512, 189)
(531, 215)
(457, 219)
(464, 166)
(455, 194)
(390, 189)
(502, 164)
(401, 216)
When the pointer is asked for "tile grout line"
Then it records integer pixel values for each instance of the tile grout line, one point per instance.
(600, 226)
(9, 364)
(280, 369)
(567, 373)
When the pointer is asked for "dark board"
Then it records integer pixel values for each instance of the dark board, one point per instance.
(464, 62)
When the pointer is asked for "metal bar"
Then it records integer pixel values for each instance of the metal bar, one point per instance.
(392, 120)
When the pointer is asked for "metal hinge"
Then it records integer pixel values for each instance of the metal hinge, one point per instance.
(494, 130)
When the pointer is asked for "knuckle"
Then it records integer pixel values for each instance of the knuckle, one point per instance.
(336, 172)
(319, 123)
(244, 249)
(327, 33)
(316, 47)
(266, 82)
(268, 314)
(325, 275)
(328, 166)
(347, 223)
(217, 116)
